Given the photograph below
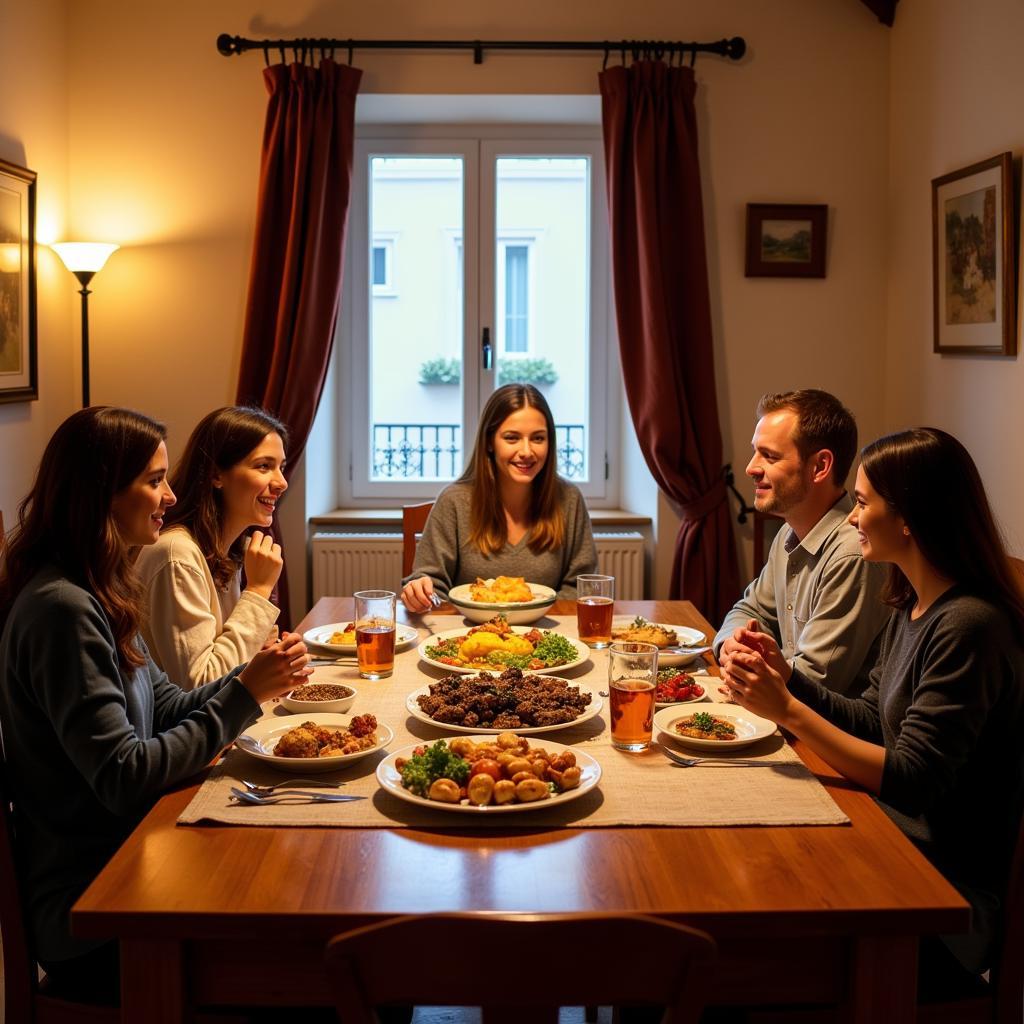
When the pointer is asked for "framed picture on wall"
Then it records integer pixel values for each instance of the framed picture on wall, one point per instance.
(17, 283)
(973, 275)
(786, 239)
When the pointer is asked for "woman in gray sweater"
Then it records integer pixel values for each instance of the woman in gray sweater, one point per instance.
(510, 513)
(937, 733)
(93, 731)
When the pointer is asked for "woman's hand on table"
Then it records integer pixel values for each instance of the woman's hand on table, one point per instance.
(278, 668)
(416, 594)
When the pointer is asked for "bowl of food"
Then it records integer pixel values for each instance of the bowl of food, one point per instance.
(520, 602)
(326, 691)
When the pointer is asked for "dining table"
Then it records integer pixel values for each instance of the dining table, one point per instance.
(217, 915)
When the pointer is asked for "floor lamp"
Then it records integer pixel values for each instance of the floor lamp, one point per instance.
(84, 260)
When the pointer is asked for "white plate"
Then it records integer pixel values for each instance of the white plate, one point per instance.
(684, 637)
(269, 730)
(582, 653)
(317, 637)
(390, 779)
(592, 710)
(698, 677)
(462, 595)
(749, 728)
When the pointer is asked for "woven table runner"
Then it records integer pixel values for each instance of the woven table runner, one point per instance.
(634, 789)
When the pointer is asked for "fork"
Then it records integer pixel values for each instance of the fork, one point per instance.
(292, 796)
(269, 790)
(692, 762)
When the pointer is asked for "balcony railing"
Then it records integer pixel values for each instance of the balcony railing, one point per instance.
(433, 451)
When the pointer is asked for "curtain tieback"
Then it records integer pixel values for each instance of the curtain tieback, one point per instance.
(706, 503)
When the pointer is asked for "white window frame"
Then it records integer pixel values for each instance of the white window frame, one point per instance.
(385, 240)
(527, 239)
(478, 146)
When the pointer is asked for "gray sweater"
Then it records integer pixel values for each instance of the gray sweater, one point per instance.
(946, 700)
(88, 748)
(446, 555)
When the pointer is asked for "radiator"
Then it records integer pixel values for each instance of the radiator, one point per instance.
(346, 562)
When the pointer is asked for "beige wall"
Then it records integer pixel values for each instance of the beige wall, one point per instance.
(957, 79)
(33, 133)
(164, 134)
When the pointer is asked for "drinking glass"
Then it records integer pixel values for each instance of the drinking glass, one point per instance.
(595, 605)
(375, 633)
(632, 678)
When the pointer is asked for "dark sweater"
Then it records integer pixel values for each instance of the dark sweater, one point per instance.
(946, 700)
(88, 748)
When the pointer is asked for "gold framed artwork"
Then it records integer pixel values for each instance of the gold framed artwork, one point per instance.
(17, 284)
(973, 265)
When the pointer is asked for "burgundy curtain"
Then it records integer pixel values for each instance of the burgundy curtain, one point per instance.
(663, 314)
(302, 214)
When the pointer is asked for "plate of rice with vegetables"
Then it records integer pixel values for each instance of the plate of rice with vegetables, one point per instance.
(495, 646)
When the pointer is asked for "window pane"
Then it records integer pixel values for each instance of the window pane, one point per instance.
(415, 404)
(542, 254)
(380, 271)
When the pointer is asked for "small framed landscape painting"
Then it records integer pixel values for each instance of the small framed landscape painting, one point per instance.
(973, 276)
(17, 284)
(786, 239)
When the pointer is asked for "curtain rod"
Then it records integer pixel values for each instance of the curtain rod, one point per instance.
(229, 46)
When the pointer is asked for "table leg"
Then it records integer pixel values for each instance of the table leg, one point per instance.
(152, 981)
(883, 980)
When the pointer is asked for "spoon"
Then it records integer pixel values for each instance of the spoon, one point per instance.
(248, 744)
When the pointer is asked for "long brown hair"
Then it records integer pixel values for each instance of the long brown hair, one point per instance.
(928, 477)
(220, 440)
(66, 520)
(488, 528)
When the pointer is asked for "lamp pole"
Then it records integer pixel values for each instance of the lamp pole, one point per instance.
(84, 260)
(84, 277)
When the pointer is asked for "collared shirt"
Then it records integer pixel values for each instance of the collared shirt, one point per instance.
(820, 600)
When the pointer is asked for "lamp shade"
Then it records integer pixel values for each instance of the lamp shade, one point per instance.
(87, 256)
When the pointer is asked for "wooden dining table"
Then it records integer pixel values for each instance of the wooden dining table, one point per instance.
(224, 915)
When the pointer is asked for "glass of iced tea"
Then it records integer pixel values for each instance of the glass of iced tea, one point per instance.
(595, 604)
(375, 633)
(632, 678)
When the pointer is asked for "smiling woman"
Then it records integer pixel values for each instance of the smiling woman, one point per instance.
(201, 623)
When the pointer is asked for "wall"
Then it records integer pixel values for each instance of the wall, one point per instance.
(164, 137)
(33, 133)
(956, 83)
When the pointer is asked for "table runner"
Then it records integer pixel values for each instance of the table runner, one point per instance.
(635, 789)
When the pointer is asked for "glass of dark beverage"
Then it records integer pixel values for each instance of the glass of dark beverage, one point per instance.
(632, 679)
(375, 633)
(595, 605)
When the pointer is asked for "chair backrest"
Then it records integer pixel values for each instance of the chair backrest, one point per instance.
(1018, 564)
(510, 963)
(1008, 973)
(414, 518)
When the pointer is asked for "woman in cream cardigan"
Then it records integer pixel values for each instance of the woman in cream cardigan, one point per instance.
(200, 622)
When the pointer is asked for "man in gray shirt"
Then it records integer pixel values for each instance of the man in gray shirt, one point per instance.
(815, 595)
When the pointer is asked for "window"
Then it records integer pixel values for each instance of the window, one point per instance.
(505, 236)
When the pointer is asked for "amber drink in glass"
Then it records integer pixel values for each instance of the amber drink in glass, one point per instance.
(375, 633)
(595, 605)
(632, 678)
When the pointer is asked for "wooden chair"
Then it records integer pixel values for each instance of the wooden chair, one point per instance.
(521, 967)
(414, 518)
(25, 997)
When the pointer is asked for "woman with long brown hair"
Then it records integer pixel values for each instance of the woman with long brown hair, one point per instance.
(937, 733)
(200, 622)
(510, 513)
(93, 731)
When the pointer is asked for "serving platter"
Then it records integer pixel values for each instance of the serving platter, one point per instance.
(592, 710)
(390, 779)
(582, 653)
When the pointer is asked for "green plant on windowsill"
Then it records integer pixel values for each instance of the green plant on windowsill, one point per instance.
(527, 371)
(440, 371)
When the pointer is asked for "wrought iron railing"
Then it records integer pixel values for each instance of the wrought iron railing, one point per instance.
(433, 451)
